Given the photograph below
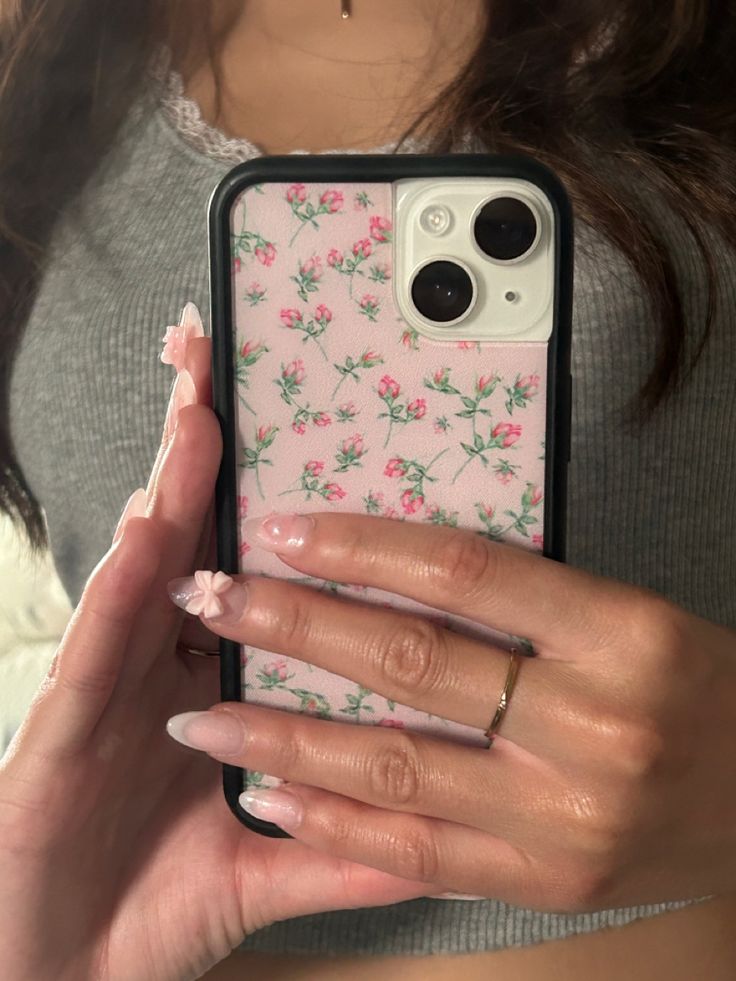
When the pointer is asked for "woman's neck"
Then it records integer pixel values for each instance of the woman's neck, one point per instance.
(295, 75)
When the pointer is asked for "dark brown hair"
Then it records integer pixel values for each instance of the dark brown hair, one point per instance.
(587, 86)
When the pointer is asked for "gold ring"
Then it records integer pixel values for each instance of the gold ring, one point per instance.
(505, 696)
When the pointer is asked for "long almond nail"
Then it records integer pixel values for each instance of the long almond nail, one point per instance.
(135, 508)
(279, 532)
(177, 337)
(183, 393)
(212, 732)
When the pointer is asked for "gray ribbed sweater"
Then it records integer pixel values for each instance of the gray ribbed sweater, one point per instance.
(88, 395)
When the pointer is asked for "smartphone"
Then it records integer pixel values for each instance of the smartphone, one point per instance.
(391, 336)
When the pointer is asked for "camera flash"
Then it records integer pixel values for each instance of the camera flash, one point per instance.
(436, 219)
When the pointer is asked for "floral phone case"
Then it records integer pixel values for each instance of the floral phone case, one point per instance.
(328, 400)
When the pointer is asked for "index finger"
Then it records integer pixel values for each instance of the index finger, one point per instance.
(557, 607)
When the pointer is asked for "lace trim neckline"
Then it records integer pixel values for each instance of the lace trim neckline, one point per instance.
(185, 116)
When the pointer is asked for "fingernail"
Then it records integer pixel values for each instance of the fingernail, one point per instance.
(212, 732)
(277, 806)
(213, 595)
(456, 895)
(183, 393)
(279, 532)
(176, 337)
(135, 508)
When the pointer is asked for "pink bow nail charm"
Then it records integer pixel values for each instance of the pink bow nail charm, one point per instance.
(176, 337)
(210, 586)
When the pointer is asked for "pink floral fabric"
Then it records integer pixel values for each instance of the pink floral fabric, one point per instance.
(342, 406)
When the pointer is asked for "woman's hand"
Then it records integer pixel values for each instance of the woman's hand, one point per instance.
(612, 781)
(119, 857)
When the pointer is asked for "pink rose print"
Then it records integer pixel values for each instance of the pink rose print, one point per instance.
(206, 599)
(246, 242)
(411, 502)
(322, 419)
(439, 516)
(291, 318)
(242, 506)
(350, 453)
(417, 408)
(538, 541)
(351, 367)
(249, 354)
(373, 502)
(253, 456)
(507, 433)
(310, 482)
(410, 338)
(387, 386)
(294, 372)
(370, 306)
(396, 467)
(243, 549)
(323, 313)
(296, 193)
(299, 427)
(279, 669)
(397, 413)
(380, 272)
(332, 200)
(335, 257)
(380, 229)
(309, 275)
(306, 212)
(531, 496)
(502, 436)
(266, 254)
(333, 492)
(394, 723)
(255, 295)
(313, 328)
(522, 392)
(505, 471)
(415, 474)
(363, 248)
(346, 412)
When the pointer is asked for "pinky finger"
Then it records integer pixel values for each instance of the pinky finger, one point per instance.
(86, 667)
(444, 855)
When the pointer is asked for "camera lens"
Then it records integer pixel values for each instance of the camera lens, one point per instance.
(505, 228)
(442, 291)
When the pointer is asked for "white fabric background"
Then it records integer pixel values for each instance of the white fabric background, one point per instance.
(34, 611)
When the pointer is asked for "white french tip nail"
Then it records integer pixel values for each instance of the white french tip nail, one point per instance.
(191, 317)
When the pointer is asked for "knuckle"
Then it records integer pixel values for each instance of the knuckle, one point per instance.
(586, 887)
(463, 563)
(658, 628)
(414, 856)
(394, 771)
(293, 623)
(411, 660)
(85, 677)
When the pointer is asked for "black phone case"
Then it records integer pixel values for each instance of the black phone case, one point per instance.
(373, 169)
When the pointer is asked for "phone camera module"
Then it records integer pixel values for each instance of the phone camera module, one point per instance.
(443, 291)
(505, 229)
